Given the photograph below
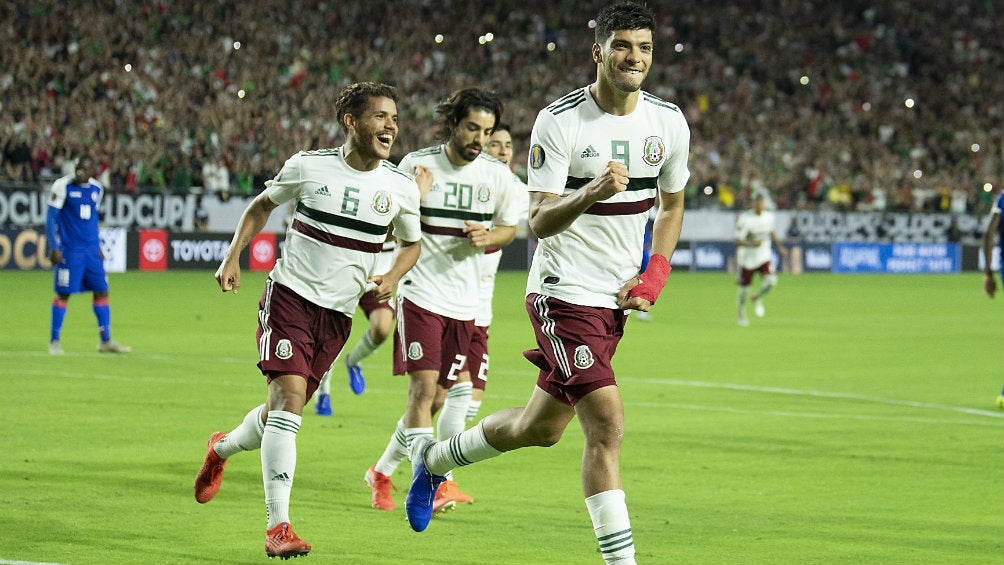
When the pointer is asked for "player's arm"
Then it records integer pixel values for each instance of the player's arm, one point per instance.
(641, 292)
(551, 213)
(252, 221)
(52, 234)
(404, 259)
(780, 245)
(989, 283)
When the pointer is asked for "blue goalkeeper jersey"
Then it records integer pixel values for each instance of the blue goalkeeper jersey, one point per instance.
(77, 220)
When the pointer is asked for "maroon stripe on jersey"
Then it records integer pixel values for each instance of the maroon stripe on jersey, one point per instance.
(492, 250)
(336, 240)
(439, 230)
(620, 208)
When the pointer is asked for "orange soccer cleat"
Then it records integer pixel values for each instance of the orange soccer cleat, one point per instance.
(283, 543)
(209, 477)
(381, 485)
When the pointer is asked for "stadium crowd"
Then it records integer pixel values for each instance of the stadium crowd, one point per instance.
(886, 105)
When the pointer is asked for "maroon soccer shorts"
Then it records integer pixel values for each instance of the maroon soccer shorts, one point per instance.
(296, 336)
(426, 341)
(574, 346)
(477, 357)
(745, 276)
(368, 303)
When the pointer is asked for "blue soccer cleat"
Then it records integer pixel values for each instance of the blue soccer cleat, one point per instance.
(323, 405)
(419, 502)
(356, 381)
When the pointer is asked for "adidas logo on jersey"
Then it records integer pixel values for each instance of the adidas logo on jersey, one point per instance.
(323, 191)
(589, 152)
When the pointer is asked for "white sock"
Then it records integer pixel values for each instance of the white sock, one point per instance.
(741, 296)
(278, 463)
(245, 437)
(612, 526)
(472, 410)
(452, 417)
(362, 350)
(469, 447)
(325, 385)
(395, 453)
(412, 435)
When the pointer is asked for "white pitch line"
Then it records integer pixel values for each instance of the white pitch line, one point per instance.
(9, 562)
(822, 394)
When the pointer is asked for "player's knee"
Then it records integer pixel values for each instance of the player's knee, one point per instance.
(770, 280)
(542, 436)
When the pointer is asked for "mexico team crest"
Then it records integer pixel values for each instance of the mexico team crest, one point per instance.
(414, 350)
(381, 202)
(583, 357)
(284, 349)
(654, 150)
(483, 193)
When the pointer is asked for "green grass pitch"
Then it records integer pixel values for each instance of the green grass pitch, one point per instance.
(854, 424)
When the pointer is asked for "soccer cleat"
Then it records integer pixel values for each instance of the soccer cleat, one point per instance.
(283, 543)
(644, 316)
(356, 381)
(112, 346)
(419, 502)
(758, 308)
(742, 320)
(449, 491)
(323, 405)
(209, 477)
(55, 348)
(380, 485)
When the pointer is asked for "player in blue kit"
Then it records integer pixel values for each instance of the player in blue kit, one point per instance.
(995, 228)
(71, 227)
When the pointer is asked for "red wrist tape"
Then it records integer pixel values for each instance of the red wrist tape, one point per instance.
(650, 282)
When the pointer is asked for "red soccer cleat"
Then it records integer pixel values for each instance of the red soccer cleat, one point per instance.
(281, 542)
(209, 477)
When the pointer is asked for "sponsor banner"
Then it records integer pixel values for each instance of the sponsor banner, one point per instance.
(23, 249)
(26, 249)
(851, 257)
(713, 256)
(153, 250)
(261, 252)
(807, 258)
(197, 250)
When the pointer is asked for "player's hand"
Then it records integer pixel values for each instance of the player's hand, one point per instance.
(612, 180)
(228, 276)
(424, 179)
(477, 234)
(382, 287)
(989, 284)
(625, 302)
(55, 257)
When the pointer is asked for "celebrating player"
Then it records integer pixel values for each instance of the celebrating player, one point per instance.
(347, 199)
(472, 206)
(600, 157)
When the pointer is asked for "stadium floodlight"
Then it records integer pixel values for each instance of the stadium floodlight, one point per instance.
(975, 148)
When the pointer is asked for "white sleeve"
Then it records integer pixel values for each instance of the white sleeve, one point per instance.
(287, 184)
(674, 173)
(57, 194)
(547, 169)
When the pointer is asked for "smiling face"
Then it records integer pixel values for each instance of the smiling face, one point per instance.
(470, 136)
(623, 61)
(500, 146)
(373, 132)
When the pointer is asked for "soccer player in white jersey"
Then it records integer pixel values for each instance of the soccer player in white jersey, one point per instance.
(753, 235)
(600, 157)
(472, 206)
(347, 199)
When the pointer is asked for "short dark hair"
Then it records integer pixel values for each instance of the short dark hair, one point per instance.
(460, 104)
(622, 15)
(354, 98)
(502, 126)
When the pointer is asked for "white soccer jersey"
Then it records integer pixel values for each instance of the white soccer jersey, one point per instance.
(490, 263)
(571, 143)
(446, 278)
(751, 226)
(338, 228)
